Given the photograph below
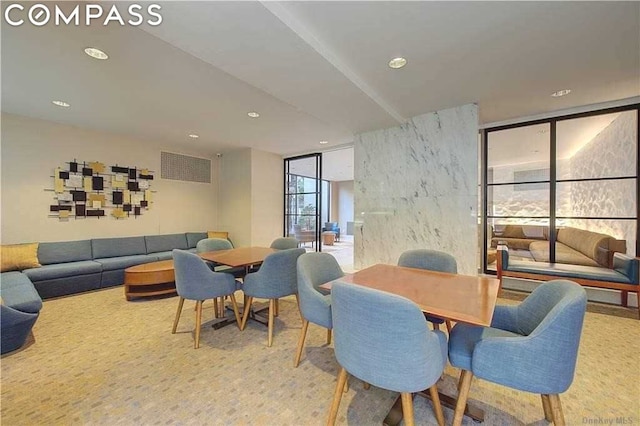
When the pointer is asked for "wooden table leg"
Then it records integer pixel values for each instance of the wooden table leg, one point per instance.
(395, 414)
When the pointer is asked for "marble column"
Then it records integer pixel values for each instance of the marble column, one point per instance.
(416, 186)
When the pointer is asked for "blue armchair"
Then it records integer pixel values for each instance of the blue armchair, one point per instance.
(195, 281)
(285, 243)
(315, 305)
(383, 339)
(275, 279)
(531, 347)
(332, 227)
(432, 260)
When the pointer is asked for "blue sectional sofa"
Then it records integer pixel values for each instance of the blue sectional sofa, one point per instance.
(71, 267)
(19, 310)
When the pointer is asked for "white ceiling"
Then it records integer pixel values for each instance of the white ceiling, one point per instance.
(317, 70)
(337, 165)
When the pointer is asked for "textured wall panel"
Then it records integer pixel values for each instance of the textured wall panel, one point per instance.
(184, 167)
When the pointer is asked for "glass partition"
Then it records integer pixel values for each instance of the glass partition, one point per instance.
(563, 189)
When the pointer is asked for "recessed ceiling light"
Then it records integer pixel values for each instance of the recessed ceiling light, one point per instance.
(194, 136)
(324, 142)
(253, 114)
(96, 53)
(562, 92)
(61, 104)
(396, 63)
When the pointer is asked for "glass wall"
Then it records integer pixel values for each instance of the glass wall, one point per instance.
(564, 189)
(304, 199)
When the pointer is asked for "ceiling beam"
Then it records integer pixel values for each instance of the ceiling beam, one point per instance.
(287, 18)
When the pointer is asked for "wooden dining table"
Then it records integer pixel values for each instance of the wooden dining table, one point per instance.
(460, 298)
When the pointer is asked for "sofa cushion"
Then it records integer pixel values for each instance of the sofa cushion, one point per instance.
(159, 243)
(115, 247)
(123, 262)
(194, 237)
(569, 271)
(63, 270)
(564, 254)
(591, 244)
(16, 257)
(62, 252)
(17, 292)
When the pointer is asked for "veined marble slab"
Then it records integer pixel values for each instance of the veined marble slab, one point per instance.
(416, 186)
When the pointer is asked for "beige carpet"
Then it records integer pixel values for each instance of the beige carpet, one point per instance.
(98, 359)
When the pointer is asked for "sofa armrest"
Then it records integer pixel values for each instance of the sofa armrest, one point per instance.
(626, 265)
(502, 258)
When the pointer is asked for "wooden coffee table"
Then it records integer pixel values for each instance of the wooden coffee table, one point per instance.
(149, 279)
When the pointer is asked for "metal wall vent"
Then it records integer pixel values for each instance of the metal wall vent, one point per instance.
(184, 167)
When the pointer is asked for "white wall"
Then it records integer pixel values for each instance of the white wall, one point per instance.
(235, 196)
(267, 197)
(251, 196)
(32, 149)
(345, 204)
(416, 186)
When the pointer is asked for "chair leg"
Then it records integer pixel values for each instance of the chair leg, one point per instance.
(276, 312)
(462, 397)
(449, 326)
(272, 309)
(366, 385)
(546, 406)
(337, 396)
(303, 335)
(299, 310)
(234, 303)
(175, 321)
(196, 344)
(460, 380)
(216, 311)
(328, 336)
(407, 408)
(247, 307)
(437, 407)
(346, 386)
(436, 326)
(556, 410)
(624, 298)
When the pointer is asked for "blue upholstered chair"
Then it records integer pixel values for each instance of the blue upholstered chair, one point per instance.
(531, 347)
(285, 243)
(195, 281)
(275, 279)
(315, 306)
(432, 260)
(332, 227)
(215, 244)
(383, 339)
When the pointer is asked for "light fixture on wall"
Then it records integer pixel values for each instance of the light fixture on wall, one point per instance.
(96, 53)
(397, 63)
(253, 114)
(62, 104)
(560, 93)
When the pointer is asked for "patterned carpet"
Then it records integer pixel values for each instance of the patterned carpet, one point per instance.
(98, 359)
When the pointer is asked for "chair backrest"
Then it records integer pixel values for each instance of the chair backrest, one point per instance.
(277, 277)
(432, 260)
(330, 226)
(551, 317)
(383, 339)
(315, 269)
(285, 243)
(213, 244)
(194, 279)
